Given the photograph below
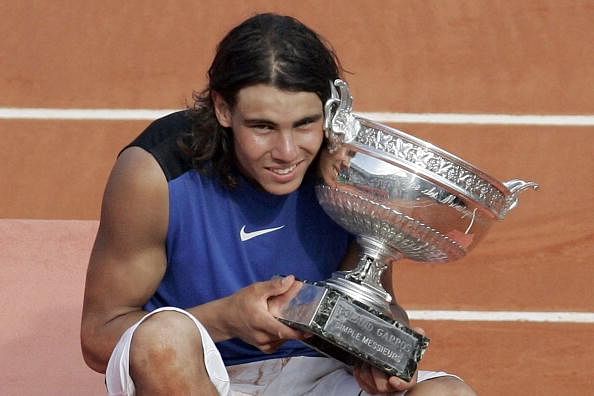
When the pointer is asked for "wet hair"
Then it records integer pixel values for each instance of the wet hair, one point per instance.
(267, 49)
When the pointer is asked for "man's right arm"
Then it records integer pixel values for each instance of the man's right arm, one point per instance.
(128, 259)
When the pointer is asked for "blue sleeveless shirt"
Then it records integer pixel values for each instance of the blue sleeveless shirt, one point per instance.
(220, 240)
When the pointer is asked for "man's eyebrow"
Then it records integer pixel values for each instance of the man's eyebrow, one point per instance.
(254, 121)
(308, 119)
(302, 121)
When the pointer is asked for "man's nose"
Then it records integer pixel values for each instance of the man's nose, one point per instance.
(285, 147)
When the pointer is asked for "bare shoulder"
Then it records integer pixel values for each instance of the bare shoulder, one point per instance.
(136, 171)
(137, 193)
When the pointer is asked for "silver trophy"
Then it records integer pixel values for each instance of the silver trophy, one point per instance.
(402, 197)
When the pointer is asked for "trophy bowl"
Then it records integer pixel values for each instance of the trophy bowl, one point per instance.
(402, 197)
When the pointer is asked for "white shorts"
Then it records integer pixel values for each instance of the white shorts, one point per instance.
(285, 376)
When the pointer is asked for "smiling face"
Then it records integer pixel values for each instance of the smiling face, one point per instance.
(276, 133)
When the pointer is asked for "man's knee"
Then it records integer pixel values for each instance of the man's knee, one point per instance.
(443, 386)
(166, 356)
(165, 340)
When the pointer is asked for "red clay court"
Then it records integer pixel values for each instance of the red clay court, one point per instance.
(508, 86)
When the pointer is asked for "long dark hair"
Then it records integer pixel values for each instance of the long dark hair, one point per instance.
(265, 49)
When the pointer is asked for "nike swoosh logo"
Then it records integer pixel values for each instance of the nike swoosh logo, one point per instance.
(246, 236)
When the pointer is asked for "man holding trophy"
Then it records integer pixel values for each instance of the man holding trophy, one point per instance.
(245, 244)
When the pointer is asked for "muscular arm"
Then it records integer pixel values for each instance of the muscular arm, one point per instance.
(128, 258)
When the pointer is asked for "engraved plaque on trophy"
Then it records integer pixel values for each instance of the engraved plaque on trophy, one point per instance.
(402, 197)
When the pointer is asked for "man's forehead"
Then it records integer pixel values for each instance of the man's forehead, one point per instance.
(258, 96)
(269, 99)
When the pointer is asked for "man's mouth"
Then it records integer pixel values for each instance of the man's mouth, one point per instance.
(283, 171)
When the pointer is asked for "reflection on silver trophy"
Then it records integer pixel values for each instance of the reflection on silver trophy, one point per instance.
(402, 197)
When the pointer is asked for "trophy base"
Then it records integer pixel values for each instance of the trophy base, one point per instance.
(354, 333)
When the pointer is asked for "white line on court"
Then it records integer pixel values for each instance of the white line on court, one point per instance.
(482, 119)
(421, 118)
(82, 114)
(503, 316)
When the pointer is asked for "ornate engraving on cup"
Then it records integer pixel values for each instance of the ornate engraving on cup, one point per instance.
(424, 158)
(402, 197)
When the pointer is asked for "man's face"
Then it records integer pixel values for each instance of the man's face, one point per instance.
(276, 133)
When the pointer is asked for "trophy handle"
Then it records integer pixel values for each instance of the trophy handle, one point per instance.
(515, 187)
(340, 124)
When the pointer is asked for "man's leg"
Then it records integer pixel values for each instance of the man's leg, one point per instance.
(166, 357)
(167, 352)
(443, 386)
(327, 377)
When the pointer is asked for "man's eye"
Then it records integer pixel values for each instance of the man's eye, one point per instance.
(262, 127)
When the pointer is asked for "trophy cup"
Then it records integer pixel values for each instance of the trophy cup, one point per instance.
(402, 197)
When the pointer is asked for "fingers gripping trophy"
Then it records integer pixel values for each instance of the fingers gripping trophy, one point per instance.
(402, 197)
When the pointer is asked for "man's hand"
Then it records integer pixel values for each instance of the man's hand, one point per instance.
(253, 310)
(374, 381)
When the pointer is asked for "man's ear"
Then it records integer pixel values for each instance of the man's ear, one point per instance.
(222, 110)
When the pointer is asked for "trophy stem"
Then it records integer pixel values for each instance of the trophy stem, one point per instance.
(364, 282)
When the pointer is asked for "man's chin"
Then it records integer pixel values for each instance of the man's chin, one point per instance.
(283, 188)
